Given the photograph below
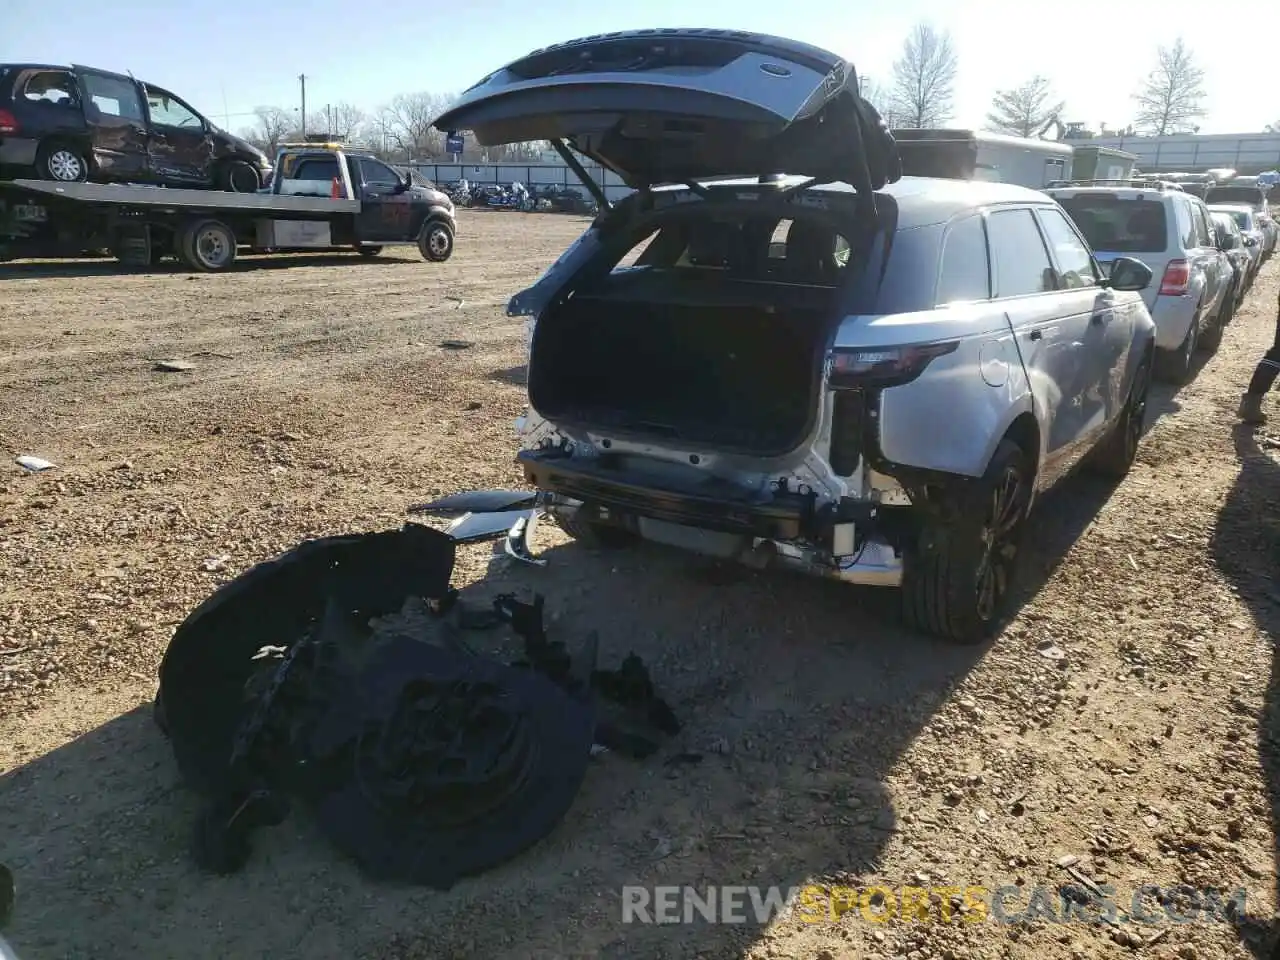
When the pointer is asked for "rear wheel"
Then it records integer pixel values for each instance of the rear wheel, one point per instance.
(62, 162)
(207, 245)
(238, 177)
(1115, 455)
(1175, 366)
(435, 243)
(1211, 339)
(957, 577)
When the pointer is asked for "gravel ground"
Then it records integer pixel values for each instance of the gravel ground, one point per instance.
(1123, 726)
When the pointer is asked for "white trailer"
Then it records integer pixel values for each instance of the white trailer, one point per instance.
(974, 155)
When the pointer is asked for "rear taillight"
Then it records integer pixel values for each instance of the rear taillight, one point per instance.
(856, 368)
(8, 122)
(1177, 275)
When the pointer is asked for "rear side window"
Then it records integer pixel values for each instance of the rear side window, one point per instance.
(316, 168)
(1022, 262)
(966, 273)
(47, 86)
(1117, 224)
(1075, 263)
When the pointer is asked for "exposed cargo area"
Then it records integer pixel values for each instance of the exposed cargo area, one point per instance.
(730, 365)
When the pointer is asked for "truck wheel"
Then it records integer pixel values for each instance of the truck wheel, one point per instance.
(238, 177)
(207, 245)
(957, 577)
(435, 243)
(62, 162)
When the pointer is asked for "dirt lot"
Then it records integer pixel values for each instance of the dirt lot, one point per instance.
(1126, 717)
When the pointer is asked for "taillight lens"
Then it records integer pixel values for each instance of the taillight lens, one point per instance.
(8, 122)
(856, 367)
(1177, 276)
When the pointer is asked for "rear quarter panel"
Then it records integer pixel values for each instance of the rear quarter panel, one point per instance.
(951, 417)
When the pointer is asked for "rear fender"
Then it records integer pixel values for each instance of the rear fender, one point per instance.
(949, 419)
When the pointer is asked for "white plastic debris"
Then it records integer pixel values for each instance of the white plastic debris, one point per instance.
(34, 464)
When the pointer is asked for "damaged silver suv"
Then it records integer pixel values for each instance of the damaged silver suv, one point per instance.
(778, 350)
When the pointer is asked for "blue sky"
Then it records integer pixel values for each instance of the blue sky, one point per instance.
(228, 59)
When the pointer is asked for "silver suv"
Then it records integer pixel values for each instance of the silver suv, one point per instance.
(1172, 233)
(865, 380)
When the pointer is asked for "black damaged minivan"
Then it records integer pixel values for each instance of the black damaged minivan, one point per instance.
(80, 123)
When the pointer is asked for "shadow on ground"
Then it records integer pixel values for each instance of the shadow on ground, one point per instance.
(1246, 548)
(108, 267)
(799, 695)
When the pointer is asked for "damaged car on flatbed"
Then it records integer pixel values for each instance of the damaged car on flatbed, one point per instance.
(779, 350)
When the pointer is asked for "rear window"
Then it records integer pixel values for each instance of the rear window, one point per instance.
(1250, 195)
(316, 168)
(1114, 224)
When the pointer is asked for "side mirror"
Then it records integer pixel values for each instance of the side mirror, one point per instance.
(405, 183)
(1129, 275)
(1250, 241)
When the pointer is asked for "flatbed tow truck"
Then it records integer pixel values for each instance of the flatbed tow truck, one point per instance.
(322, 196)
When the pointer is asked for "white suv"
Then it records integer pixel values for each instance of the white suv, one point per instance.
(1172, 233)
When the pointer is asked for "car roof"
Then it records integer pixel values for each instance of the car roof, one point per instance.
(35, 66)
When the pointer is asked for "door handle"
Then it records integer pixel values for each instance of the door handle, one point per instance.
(1036, 335)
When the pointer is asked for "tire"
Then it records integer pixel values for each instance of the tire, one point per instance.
(208, 246)
(369, 251)
(594, 536)
(1176, 366)
(1211, 339)
(62, 163)
(1114, 456)
(435, 242)
(237, 176)
(957, 577)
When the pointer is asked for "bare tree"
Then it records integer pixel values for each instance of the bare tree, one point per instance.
(1025, 110)
(1273, 127)
(274, 124)
(879, 98)
(409, 118)
(1172, 96)
(923, 89)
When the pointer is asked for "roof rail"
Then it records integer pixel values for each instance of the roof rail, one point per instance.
(1137, 183)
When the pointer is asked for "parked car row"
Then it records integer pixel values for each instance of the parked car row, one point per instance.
(1175, 233)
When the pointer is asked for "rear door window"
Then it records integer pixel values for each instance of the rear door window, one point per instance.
(1116, 224)
(1021, 260)
(1075, 263)
(966, 270)
(114, 97)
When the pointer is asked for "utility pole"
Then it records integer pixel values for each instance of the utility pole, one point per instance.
(302, 79)
(328, 118)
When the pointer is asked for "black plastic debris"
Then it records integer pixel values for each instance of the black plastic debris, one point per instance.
(422, 760)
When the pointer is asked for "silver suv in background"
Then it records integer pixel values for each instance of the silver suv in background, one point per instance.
(1254, 235)
(778, 351)
(1172, 233)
